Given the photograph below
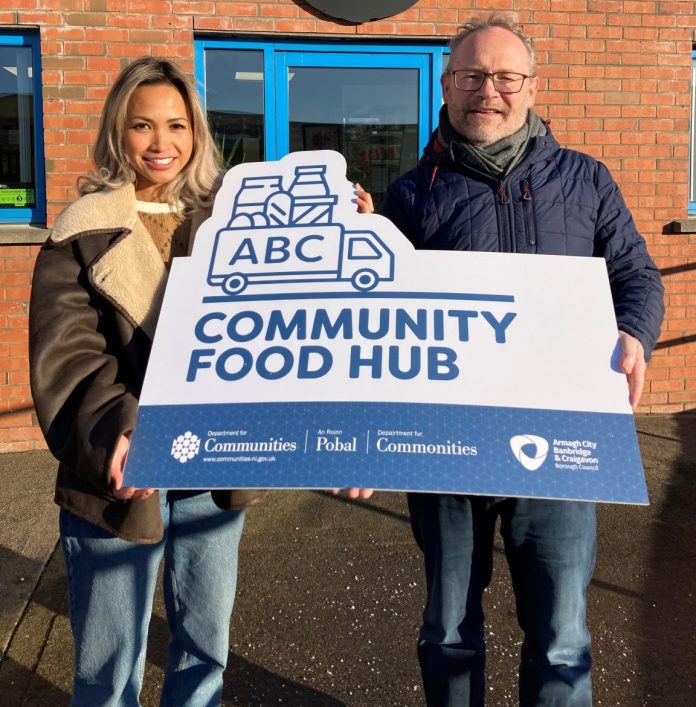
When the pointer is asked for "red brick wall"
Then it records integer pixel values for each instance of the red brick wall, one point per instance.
(18, 432)
(615, 83)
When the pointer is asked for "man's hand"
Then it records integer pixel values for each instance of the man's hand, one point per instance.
(632, 363)
(354, 493)
(116, 470)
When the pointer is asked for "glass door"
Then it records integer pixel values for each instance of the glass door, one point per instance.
(374, 109)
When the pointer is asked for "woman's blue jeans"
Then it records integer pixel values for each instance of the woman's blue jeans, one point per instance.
(111, 583)
(550, 549)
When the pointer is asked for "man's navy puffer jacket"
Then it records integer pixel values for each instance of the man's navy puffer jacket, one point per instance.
(554, 202)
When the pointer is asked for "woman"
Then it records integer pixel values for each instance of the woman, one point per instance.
(97, 290)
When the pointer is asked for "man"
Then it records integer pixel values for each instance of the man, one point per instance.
(493, 178)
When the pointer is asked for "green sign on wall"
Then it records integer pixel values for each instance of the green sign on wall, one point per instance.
(16, 197)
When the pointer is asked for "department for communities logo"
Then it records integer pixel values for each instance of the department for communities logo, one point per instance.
(538, 455)
(185, 447)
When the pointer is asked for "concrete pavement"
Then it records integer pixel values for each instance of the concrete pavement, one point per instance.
(330, 595)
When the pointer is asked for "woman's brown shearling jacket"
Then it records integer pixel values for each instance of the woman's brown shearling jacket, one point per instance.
(97, 290)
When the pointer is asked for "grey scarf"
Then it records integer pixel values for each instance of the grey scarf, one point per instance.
(499, 158)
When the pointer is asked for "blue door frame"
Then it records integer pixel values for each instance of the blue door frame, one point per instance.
(278, 56)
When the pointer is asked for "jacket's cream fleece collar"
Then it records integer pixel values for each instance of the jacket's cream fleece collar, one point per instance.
(130, 273)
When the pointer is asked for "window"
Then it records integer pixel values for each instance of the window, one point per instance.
(234, 102)
(22, 190)
(375, 104)
(692, 145)
(362, 249)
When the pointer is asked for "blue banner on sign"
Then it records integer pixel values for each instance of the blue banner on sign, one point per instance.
(392, 446)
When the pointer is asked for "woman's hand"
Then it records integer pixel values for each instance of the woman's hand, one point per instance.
(118, 461)
(363, 200)
(354, 493)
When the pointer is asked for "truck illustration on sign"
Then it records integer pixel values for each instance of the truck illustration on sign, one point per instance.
(276, 235)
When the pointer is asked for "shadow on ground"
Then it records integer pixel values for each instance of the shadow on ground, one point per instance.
(667, 621)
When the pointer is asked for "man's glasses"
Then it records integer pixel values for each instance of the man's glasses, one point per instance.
(503, 81)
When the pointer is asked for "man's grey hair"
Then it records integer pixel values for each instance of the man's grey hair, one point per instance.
(476, 24)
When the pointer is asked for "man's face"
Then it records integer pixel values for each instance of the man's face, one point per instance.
(485, 116)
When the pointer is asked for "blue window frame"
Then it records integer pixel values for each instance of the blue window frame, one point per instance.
(22, 178)
(375, 103)
(692, 141)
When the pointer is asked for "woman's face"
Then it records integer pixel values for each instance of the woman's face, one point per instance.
(158, 137)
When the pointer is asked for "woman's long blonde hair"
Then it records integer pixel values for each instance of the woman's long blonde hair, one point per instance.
(193, 186)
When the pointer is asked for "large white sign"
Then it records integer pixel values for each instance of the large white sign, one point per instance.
(305, 345)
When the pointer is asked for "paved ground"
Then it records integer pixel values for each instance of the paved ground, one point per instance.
(330, 594)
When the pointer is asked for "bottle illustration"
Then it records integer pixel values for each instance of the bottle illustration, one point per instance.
(250, 205)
